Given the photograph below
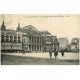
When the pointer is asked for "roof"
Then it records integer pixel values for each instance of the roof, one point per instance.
(29, 27)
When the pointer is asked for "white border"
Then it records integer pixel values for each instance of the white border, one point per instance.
(40, 6)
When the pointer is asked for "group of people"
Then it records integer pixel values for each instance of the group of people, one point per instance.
(56, 53)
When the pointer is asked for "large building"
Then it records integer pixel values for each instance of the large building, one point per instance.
(37, 41)
(32, 39)
(27, 39)
(11, 40)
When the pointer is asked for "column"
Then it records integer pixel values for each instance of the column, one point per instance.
(13, 38)
(35, 40)
(39, 40)
(28, 47)
(31, 39)
(17, 38)
(35, 47)
(4, 38)
(31, 47)
(9, 38)
(39, 47)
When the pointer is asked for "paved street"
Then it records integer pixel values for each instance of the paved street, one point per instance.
(39, 59)
(67, 56)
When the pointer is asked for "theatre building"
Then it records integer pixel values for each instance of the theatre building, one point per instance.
(37, 41)
(32, 39)
(26, 39)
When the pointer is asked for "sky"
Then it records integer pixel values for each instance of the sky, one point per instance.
(59, 25)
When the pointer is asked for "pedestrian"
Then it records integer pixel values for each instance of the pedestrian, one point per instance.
(50, 54)
(23, 51)
(55, 53)
(62, 52)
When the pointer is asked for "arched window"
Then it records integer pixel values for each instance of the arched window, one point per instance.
(7, 38)
(11, 38)
(19, 38)
(15, 38)
(2, 38)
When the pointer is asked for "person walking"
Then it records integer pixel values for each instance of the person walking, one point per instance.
(50, 54)
(23, 51)
(62, 52)
(55, 53)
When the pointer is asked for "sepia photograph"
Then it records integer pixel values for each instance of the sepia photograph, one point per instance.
(39, 39)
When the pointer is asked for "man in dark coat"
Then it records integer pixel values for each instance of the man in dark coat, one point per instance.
(62, 52)
(55, 53)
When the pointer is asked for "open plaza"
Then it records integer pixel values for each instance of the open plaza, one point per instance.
(39, 59)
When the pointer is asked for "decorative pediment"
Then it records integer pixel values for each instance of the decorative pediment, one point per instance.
(35, 33)
(29, 27)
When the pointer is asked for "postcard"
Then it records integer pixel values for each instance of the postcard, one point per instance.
(39, 39)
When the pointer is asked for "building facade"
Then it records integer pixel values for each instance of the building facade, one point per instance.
(32, 39)
(27, 39)
(11, 40)
(50, 41)
(74, 45)
(63, 42)
(56, 43)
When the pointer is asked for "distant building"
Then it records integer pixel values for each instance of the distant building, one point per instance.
(63, 42)
(11, 40)
(68, 48)
(75, 45)
(56, 43)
